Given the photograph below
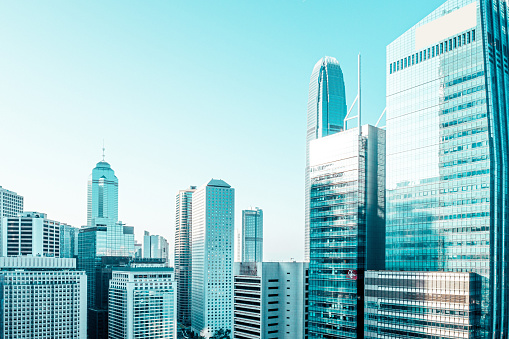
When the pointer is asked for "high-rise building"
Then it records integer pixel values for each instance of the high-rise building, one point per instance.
(270, 300)
(252, 235)
(347, 202)
(143, 302)
(68, 241)
(30, 233)
(155, 246)
(104, 243)
(11, 204)
(102, 198)
(42, 298)
(421, 305)
(183, 258)
(447, 146)
(326, 114)
(212, 258)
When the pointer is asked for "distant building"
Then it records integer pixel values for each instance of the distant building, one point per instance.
(270, 300)
(421, 304)
(138, 249)
(11, 204)
(143, 302)
(212, 256)
(30, 233)
(42, 298)
(183, 259)
(155, 246)
(252, 235)
(68, 241)
(347, 204)
(102, 195)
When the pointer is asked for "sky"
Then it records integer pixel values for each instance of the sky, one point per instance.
(180, 92)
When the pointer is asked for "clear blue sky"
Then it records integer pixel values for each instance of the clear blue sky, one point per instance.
(181, 91)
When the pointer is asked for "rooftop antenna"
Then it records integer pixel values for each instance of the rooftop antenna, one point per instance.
(103, 149)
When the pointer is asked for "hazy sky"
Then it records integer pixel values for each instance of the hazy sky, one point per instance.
(181, 91)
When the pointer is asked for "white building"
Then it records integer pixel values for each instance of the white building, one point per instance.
(30, 233)
(270, 300)
(212, 258)
(11, 204)
(155, 247)
(42, 298)
(142, 302)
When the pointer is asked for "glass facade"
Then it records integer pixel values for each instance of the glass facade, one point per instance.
(326, 113)
(347, 206)
(421, 305)
(252, 235)
(183, 254)
(68, 241)
(102, 195)
(447, 149)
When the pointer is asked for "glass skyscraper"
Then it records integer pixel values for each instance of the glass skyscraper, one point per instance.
(347, 172)
(326, 113)
(102, 197)
(447, 149)
(252, 235)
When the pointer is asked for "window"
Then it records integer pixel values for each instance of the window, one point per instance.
(405, 62)
(464, 38)
(441, 48)
(433, 52)
(398, 65)
(454, 44)
(468, 37)
(420, 55)
(413, 59)
(429, 53)
(459, 41)
(473, 35)
(390, 72)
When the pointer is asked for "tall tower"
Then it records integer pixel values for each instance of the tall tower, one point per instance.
(183, 254)
(447, 147)
(212, 252)
(102, 197)
(326, 113)
(252, 235)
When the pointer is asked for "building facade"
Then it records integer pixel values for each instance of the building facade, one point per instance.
(422, 304)
(68, 241)
(30, 233)
(212, 258)
(347, 203)
(155, 246)
(270, 300)
(252, 235)
(447, 146)
(11, 204)
(326, 114)
(183, 258)
(143, 302)
(42, 298)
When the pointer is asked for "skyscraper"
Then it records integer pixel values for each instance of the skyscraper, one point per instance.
(42, 298)
(347, 172)
(155, 246)
(183, 258)
(11, 203)
(68, 241)
(142, 302)
(326, 113)
(102, 197)
(252, 235)
(30, 233)
(212, 255)
(447, 146)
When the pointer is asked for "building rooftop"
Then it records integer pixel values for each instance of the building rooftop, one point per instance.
(218, 183)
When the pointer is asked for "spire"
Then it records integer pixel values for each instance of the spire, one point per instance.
(103, 149)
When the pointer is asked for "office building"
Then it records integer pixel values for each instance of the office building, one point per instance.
(138, 249)
(270, 300)
(68, 241)
(11, 204)
(183, 258)
(212, 258)
(447, 146)
(421, 304)
(104, 243)
(326, 113)
(143, 302)
(347, 201)
(102, 195)
(42, 298)
(30, 233)
(155, 246)
(252, 235)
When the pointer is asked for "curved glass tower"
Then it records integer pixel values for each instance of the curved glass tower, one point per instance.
(447, 151)
(102, 197)
(326, 113)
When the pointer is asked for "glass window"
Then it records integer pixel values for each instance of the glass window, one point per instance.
(397, 65)
(413, 59)
(441, 48)
(473, 35)
(450, 44)
(454, 45)
(405, 62)
(420, 55)
(459, 41)
(433, 52)
(429, 53)
(464, 38)
(468, 37)
(445, 46)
